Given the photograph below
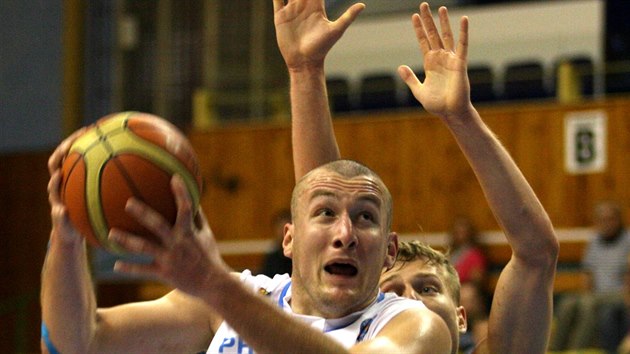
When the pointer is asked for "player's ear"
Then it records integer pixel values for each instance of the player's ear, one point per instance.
(462, 323)
(287, 241)
(392, 250)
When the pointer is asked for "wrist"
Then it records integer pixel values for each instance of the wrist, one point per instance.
(311, 68)
(222, 285)
(463, 116)
(307, 78)
(58, 240)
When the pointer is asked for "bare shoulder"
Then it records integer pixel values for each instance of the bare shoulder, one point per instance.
(414, 330)
(415, 320)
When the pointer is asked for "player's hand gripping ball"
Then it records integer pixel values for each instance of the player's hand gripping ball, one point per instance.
(123, 155)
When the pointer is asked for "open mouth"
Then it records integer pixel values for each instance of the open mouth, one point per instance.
(343, 269)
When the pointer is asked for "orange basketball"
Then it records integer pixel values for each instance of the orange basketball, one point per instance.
(123, 155)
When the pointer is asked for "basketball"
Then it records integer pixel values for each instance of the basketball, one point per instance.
(124, 155)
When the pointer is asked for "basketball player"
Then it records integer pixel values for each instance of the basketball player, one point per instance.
(339, 242)
(520, 317)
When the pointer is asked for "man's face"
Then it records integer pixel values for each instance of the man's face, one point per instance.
(420, 280)
(461, 232)
(607, 221)
(339, 244)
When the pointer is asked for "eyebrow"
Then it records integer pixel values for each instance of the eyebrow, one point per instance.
(429, 276)
(422, 275)
(371, 198)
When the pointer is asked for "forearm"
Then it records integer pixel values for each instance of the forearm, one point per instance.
(67, 297)
(523, 297)
(509, 195)
(261, 324)
(521, 311)
(313, 137)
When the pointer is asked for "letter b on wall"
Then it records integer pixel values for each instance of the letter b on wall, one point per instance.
(585, 142)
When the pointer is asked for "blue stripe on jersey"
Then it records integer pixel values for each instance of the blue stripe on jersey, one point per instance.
(51, 348)
(283, 294)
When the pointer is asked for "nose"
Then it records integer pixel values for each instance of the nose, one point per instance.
(393, 286)
(345, 237)
(409, 293)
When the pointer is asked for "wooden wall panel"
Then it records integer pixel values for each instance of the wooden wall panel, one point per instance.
(417, 157)
(246, 179)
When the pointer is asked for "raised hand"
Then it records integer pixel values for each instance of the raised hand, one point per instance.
(446, 91)
(304, 33)
(187, 257)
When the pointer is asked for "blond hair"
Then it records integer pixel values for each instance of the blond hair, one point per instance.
(416, 250)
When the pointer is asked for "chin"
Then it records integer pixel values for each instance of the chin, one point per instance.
(353, 299)
(341, 299)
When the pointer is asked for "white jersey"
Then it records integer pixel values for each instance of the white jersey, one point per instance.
(348, 330)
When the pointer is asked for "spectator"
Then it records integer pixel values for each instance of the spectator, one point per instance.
(624, 347)
(467, 255)
(596, 316)
(470, 261)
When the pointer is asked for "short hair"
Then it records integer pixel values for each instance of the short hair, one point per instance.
(347, 169)
(416, 250)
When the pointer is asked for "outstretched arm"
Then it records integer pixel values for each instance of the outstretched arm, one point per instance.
(520, 317)
(305, 36)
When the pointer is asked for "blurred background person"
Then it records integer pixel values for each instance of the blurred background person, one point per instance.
(596, 317)
(471, 263)
(467, 255)
(624, 347)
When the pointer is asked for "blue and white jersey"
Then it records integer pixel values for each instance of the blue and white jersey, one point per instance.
(348, 330)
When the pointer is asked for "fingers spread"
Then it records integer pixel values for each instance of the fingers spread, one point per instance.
(445, 26)
(462, 46)
(421, 35)
(134, 244)
(53, 188)
(410, 78)
(149, 269)
(429, 27)
(183, 201)
(151, 220)
(55, 160)
(344, 21)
